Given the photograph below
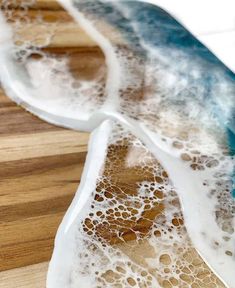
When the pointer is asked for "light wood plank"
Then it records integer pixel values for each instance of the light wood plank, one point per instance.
(64, 142)
(40, 169)
(25, 277)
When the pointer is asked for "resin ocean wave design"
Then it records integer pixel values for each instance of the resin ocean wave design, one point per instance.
(155, 207)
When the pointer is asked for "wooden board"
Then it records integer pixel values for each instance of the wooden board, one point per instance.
(33, 276)
(40, 169)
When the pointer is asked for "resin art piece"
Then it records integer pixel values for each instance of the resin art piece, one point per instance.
(156, 202)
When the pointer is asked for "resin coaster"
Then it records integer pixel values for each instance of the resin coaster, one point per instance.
(156, 206)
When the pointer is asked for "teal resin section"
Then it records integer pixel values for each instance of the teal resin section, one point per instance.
(148, 26)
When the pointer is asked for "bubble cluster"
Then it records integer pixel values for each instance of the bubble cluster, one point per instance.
(133, 234)
(59, 76)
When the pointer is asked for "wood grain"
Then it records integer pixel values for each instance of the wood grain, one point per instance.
(26, 277)
(40, 169)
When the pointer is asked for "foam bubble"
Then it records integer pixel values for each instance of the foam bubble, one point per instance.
(126, 235)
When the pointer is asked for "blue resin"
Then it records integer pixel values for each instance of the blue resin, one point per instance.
(157, 29)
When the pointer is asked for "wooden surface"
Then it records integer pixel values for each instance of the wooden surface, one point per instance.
(40, 169)
(33, 276)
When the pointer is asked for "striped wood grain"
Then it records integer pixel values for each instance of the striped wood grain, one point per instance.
(40, 169)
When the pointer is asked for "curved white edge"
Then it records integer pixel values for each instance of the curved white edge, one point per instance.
(12, 82)
(61, 258)
(16, 92)
(114, 69)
